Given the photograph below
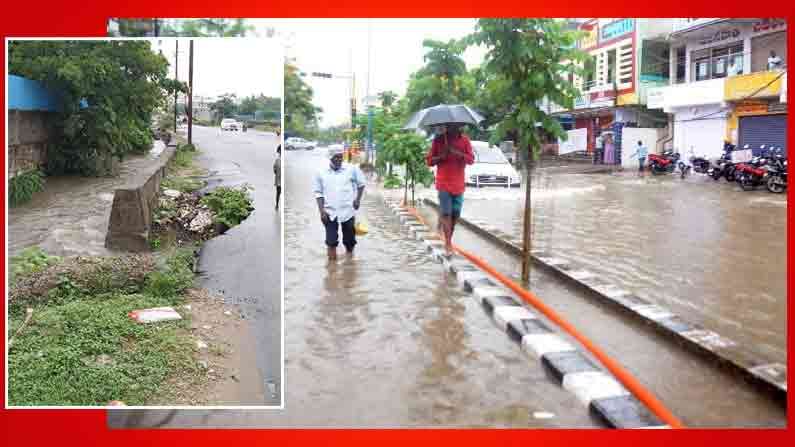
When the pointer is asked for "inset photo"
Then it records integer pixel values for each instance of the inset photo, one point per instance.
(144, 232)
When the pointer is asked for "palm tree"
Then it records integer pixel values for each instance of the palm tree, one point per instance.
(443, 60)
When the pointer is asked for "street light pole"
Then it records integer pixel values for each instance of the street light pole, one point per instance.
(176, 78)
(190, 93)
(367, 97)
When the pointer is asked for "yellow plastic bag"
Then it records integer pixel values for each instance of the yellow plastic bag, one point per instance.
(360, 227)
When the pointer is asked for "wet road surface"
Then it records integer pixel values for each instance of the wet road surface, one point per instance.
(386, 339)
(705, 250)
(699, 392)
(70, 217)
(244, 264)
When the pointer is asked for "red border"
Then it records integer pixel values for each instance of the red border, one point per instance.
(88, 18)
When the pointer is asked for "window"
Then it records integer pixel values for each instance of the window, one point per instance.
(611, 67)
(590, 71)
(681, 64)
(713, 63)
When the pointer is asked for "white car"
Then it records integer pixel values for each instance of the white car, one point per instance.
(229, 124)
(298, 143)
(491, 168)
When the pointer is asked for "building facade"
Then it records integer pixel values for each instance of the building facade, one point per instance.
(727, 82)
(628, 57)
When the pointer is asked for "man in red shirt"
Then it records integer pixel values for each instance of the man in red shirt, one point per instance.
(450, 152)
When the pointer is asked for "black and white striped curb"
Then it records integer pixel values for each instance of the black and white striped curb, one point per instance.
(605, 398)
(769, 374)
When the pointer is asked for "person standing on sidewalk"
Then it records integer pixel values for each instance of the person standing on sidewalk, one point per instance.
(599, 143)
(277, 174)
(338, 191)
(641, 152)
(450, 152)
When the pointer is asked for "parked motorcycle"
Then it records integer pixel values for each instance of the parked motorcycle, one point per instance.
(752, 174)
(723, 164)
(699, 164)
(777, 173)
(665, 163)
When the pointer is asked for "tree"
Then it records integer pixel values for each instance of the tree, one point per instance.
(109, 91)
(224, 107)
(300, 114)
(443, 79)
(214, 28)
(528, 61)
(387, 97)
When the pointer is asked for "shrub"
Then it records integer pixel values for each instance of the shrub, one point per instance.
(229, 205)
(22, 187)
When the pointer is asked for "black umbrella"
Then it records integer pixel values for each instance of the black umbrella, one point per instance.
(444, 114)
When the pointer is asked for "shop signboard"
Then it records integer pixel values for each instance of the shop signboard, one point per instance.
(616, 29)
(769, 25)
(591, 36)
(655, 98)
(719, 36)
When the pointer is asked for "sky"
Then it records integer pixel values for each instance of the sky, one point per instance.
(245, 67)
(339, 46)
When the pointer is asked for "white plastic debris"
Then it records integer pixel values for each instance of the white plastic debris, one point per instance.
(543, 415)
(201, 344)
(202, 221)
(227, 313)
(173, 193)
(155, 315)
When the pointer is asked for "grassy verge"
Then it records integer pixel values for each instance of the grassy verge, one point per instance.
(80, 347)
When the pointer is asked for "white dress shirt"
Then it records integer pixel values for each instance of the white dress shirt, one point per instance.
(339, 189)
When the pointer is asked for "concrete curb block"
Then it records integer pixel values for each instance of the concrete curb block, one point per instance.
(601, 394)
(772, 376)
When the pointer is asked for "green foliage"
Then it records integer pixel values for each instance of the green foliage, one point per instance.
(183, 158)
(527, 61)
(444, 78)
(87, 351)
(182, 184)
(300, 114)
(173, 276)
(262, 107)
(22, 187)
(224, 107)
(109, 91)
(30, 260)
(184, 27)
(229, 205)
(393, 181)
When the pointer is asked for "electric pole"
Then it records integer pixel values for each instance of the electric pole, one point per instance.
(190, 93)
(176, 78)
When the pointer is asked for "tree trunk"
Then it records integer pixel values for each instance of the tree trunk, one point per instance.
(528, 216)
(406, 186)
(190, 94)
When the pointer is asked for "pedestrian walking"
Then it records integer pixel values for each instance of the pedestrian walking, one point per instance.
(450, 152)
(609, 149)
(597, 156)
(277, 174)
(338, 191)
(641, 152)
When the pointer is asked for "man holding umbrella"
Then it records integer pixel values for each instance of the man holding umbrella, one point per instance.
(450, 152)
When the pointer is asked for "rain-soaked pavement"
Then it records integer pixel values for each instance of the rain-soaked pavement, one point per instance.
(244, 264)
(705, 250)
(389, 340)
(386, 339)
(70, 217)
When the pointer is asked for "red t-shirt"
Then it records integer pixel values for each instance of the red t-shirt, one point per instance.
(450, 172)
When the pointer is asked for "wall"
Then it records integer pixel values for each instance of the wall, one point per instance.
(629, 141)
(133, 205)
(29, 134)
(704, 136)
(31, 115)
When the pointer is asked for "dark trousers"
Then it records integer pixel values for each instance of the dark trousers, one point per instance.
(348, 233)
(278, 194)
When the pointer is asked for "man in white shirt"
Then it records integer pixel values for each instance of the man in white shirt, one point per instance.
(338, 190)
(773, 62)
(734, 68)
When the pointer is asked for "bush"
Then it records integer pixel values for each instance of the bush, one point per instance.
(30, 260)
(173, 276)
(229, 205)
(393, 181)
(22, 187)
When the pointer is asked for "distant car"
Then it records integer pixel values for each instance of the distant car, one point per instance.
(491, 168)
(229, 124)
(298, 143)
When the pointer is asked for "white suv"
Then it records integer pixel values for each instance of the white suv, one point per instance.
(298, 143)
(229, 124)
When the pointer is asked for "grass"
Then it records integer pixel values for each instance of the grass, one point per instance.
(30, 260)
(81, 347)
(22, 187)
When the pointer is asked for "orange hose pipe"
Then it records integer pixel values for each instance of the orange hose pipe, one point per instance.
(626, 379)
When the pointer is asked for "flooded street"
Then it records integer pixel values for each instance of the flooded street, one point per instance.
(70, 217)
(704, 249)
(385, 340)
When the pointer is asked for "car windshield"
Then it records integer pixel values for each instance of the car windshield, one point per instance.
(486, 155)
